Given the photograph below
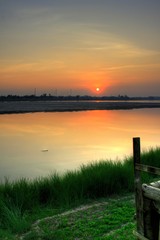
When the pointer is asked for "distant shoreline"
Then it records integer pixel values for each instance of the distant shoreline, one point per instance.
(8, 107)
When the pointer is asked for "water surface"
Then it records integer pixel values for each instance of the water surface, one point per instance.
(36, 144)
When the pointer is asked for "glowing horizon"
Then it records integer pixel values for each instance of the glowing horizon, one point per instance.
(79, 46)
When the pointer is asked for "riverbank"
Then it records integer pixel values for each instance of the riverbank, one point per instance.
(24, 202)
(62, 106)
(103, 219)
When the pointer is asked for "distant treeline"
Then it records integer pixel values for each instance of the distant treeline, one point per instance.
(45, 97)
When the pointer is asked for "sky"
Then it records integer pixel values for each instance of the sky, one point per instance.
(74, 47)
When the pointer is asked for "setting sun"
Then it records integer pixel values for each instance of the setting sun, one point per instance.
(97, 89)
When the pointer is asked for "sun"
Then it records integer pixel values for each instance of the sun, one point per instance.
(97, 89)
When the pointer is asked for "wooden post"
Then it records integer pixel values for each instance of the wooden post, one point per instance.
(138, 187)
(147, 199)
(148, 218)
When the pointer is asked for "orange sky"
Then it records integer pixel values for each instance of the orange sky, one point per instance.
(74, 47)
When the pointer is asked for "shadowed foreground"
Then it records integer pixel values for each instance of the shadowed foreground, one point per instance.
(23, 202)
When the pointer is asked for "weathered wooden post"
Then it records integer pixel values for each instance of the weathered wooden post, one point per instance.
(151, 196)
(138, 186)
(147, 197)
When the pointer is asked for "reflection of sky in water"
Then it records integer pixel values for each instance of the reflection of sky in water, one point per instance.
(72, 139)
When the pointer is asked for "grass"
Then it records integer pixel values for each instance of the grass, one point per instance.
(24, 201)
(13, 219)
(102, 220)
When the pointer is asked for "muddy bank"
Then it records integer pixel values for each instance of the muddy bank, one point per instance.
(62, 106)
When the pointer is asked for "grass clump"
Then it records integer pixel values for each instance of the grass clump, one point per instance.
(12, 218)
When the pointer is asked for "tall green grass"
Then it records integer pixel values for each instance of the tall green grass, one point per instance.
(12, 217)
(95, 180)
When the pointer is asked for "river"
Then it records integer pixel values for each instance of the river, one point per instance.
(37, 144)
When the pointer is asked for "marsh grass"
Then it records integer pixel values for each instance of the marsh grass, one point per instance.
(12, 218)
(96, 180)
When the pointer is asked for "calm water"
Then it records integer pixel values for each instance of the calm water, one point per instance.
(36, 144)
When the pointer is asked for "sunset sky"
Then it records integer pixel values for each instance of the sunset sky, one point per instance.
(75, 46)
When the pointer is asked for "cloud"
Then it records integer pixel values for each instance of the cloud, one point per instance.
(32, 66)
(132, 66)
(97, 40)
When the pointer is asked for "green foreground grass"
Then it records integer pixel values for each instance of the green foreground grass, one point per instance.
(110, 219)
(23, 202)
